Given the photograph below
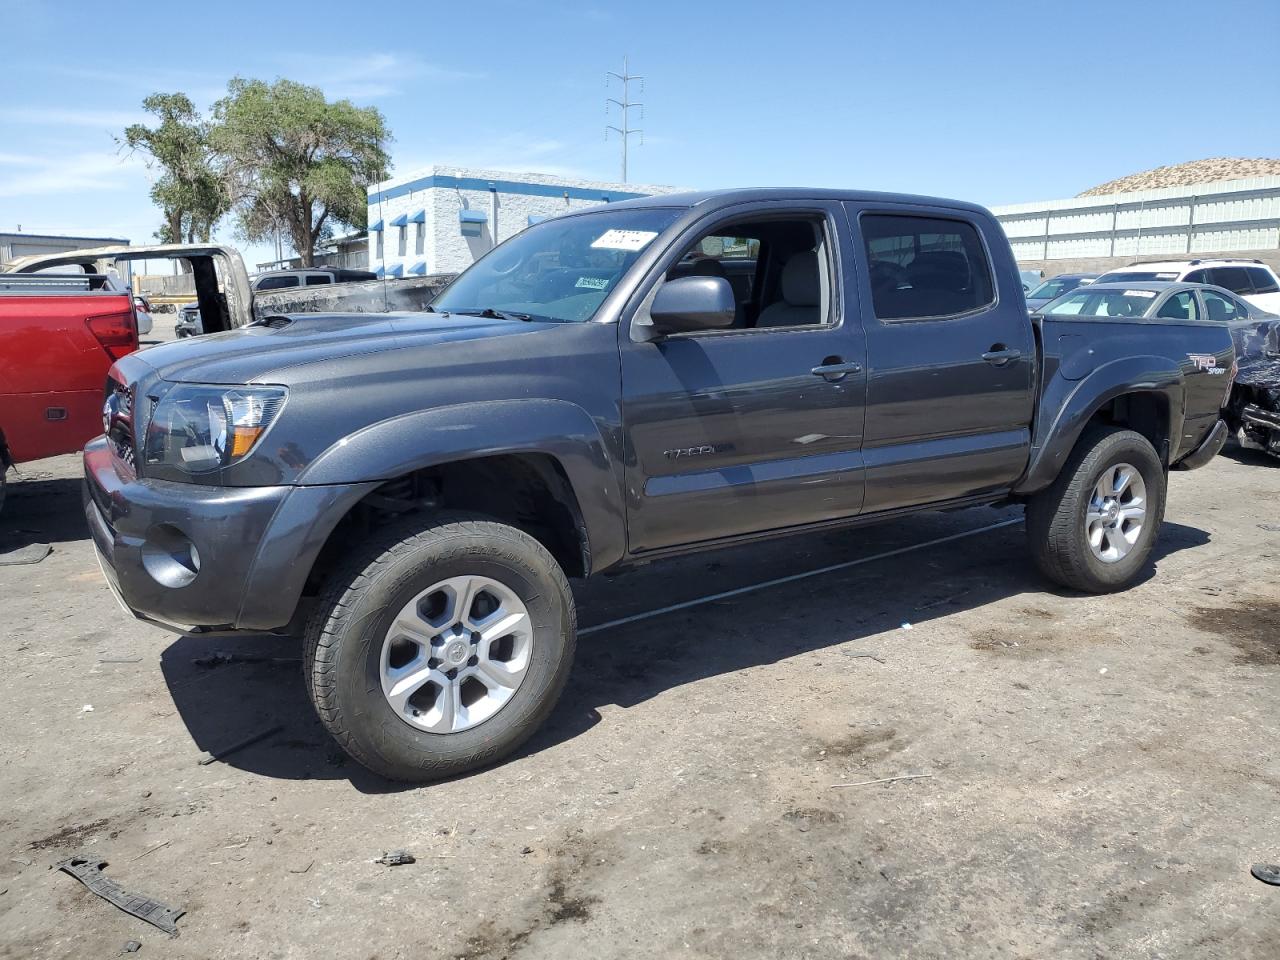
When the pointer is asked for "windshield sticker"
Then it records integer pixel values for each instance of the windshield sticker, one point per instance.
(1166, 276)
(630, 240)
(1140, 293)
(592, 283)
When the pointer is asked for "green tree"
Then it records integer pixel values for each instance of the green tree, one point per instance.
(296, 162)
(188, 191)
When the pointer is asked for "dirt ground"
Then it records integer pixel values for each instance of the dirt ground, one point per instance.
(1095, 775)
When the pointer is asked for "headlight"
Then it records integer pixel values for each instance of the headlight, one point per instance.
(200, 429)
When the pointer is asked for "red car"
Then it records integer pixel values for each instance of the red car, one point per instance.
(59, 335)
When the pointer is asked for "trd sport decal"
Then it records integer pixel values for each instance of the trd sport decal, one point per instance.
(1206, 362)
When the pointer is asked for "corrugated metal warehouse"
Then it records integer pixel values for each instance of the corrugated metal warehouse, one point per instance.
(1239, 218)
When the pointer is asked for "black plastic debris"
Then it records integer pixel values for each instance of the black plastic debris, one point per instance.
(396, 858)
(89, 871)
(1267, 873)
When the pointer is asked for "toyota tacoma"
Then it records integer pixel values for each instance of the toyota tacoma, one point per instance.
(414, 491)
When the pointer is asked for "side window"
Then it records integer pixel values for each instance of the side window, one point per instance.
(1197, 276)
(925, 267)
(1232, 278)
(1181, 306)
(779, 270)
(402, 240)
(1264, 280)
(378, 254)
(277, 283)
(1218, 307)
(315, 279)
(419, 243)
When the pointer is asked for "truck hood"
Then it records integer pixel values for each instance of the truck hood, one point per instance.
(265, 350)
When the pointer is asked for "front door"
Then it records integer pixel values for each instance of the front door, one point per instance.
(952, 357)
(740, 430)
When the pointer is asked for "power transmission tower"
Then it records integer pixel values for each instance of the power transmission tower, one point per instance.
(624, 106)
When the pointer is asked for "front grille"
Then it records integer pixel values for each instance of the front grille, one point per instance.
(117, 420)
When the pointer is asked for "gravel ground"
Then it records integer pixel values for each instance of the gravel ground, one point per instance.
(1094, 775)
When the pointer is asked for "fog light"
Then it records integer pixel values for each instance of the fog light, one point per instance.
(170, 558)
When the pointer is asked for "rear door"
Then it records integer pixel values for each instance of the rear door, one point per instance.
(951, 356)
(736, 431)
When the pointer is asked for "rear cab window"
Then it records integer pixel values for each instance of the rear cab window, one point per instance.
(925, 268)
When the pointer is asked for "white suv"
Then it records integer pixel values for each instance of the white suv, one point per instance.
(1251, 280)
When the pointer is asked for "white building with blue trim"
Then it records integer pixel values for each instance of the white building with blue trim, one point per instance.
(442, 219)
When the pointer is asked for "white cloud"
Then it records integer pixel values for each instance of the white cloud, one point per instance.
(369, 76)
(65, 173)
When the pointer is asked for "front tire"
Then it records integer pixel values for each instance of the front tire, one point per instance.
(440, 647)
(1093, 529)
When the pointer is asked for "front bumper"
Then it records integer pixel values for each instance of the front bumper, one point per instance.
(244, 553)
(1209, 448)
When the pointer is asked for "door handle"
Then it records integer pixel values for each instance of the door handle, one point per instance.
(835, 370)
(998, 356)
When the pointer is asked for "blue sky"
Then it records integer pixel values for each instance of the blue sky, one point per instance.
(995, 102)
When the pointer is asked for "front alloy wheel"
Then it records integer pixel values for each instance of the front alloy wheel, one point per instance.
(456, 654)
(440, 646)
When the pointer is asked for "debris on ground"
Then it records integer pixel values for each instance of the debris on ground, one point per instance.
(132, 946)
(119, 659)
(863, 653)
(1267, 873)
(31, 553)
(940, 601)
(396, 858)
(220, 658)
(87, 708)
(211, 757)
(907, 626)
(89, 871)
(162, 843)
(905, 776)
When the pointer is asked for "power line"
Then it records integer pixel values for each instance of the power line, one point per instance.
(624, 106)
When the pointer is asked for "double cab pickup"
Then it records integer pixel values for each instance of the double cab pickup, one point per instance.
(616, 385)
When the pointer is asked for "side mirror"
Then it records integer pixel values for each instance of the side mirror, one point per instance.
(693, 303)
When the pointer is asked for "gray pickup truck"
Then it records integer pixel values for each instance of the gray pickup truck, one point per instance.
(641, 379)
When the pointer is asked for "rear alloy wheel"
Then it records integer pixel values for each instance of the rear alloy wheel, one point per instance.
(1094, 527)
(440, 646)
(1116, 513)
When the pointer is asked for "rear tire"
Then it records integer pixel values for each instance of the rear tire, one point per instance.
(353, 637)
(1061, 518)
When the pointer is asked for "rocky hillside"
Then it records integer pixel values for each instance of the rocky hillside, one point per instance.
(1185, 174)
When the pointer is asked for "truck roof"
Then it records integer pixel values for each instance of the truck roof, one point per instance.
(715, 199)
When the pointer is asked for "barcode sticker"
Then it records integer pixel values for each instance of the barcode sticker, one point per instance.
(630, 240)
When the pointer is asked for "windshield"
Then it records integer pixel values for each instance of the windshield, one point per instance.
(1102, 303)
(1052, 288)
(1136, 276)
(558, 270)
